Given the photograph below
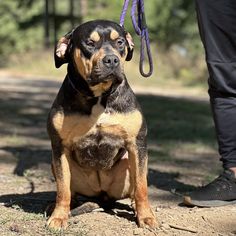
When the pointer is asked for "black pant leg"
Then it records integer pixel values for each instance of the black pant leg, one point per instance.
(217, 26)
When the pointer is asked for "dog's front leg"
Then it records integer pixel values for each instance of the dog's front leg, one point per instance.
(138, 168)
(61, 171)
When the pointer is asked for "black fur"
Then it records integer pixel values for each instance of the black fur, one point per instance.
(98, 151)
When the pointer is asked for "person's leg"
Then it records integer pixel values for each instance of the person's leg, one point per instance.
(217, 26)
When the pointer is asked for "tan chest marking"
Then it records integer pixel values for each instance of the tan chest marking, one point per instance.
(75, 126)
(131, 121)
(72, 126)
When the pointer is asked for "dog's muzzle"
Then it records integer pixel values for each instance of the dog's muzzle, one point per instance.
(107, 69)
(111, 61)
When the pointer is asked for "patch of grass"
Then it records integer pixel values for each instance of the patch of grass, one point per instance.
(16, 207)
(13, 139)
(54, 232)
(161, 156)
(4, 221)
(32, 63)
(68, 231)
(32, 216)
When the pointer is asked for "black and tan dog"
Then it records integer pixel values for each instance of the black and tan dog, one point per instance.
(97, 130)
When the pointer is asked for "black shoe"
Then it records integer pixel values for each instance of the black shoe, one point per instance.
(220, 192)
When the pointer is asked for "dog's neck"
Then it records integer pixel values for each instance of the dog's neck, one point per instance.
(114, 100)
(76, 81)
(80, 86)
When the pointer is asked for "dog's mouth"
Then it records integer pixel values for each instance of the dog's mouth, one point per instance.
(103, 75)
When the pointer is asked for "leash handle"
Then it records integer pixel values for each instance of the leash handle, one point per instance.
(141, 30)
(145, 43)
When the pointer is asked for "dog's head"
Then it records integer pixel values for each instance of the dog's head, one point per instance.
(98, 50)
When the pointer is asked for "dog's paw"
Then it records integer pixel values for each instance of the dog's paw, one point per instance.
(148, 221)
(57, 223)
(58, 219)
(147, 218)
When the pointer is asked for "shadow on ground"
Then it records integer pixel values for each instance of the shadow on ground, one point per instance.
(29, 202)
(43, 203)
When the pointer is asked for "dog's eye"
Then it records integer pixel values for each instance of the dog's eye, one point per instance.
(120, 42)
(90, 43)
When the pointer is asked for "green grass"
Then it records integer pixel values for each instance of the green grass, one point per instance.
(37, 63)
(13, 139)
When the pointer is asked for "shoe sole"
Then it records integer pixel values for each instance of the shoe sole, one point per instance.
(211, 203)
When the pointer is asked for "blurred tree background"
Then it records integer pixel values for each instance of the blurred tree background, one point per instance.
(172, 27)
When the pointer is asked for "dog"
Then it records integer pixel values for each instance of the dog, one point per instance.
(96, 126)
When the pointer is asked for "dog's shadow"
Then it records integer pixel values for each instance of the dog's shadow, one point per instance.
(44, 202)
(29, 202)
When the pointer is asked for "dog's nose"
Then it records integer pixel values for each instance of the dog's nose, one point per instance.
(111, 61)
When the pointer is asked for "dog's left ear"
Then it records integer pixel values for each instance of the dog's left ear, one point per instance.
(62, 50)
(130, 46)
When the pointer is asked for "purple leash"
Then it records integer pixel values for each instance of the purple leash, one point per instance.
(141, 29)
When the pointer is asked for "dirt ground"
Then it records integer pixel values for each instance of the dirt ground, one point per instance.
(27, 186)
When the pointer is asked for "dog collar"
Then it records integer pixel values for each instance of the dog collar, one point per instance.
(84, 93)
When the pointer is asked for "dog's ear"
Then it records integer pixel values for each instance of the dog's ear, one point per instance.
(62, 50)
(130, 46)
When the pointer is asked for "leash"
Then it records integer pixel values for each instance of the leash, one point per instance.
(140, 26)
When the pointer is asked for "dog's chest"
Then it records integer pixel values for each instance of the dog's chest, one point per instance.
(74, 126)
